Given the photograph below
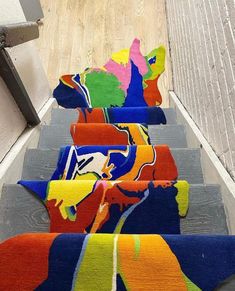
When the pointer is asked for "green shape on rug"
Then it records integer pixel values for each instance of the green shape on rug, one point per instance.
(96, 268)
(104, 89)
(182, 197)
(190, 285)
(158, 67)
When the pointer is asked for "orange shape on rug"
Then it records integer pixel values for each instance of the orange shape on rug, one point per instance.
(146, 262)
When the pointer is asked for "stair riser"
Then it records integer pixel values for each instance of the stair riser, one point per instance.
(21, 211)
(53, 137)
(40, 164)
(67, 116)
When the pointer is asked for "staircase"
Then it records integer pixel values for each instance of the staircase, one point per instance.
(198, 256)
(104, 234)
(21, 212)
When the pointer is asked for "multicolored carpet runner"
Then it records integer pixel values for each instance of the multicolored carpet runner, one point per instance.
(143, 162)
(146, 115)
(114, 200)
(115, 262)
(128, 79)
(109, 134)
(89, 206)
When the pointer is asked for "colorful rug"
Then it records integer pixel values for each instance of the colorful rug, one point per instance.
(109, 134)
(113, 206)
(144, 162)
(128, 79)
(147, 115)
(116, 262)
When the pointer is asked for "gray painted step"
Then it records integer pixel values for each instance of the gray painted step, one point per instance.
(21, 211)
(55, 136)
(67, 116)
(39, 164)
(227, 285)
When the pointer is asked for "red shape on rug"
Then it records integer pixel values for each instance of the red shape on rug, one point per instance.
(95, 115)
(97, 134)
(152, 90)
(31, 269)
(164, 168)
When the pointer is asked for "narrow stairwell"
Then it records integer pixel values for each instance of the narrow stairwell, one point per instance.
(206, 213)
(21, 212)
(132, 214)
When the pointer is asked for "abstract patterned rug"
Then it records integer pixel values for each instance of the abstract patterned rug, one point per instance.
(144, 162)
(147, 115)
(116, 262)
(128, 79)
(114, 202)
(113, 206)
(109, 134)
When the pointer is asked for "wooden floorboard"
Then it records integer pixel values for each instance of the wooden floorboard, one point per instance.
(76, 34)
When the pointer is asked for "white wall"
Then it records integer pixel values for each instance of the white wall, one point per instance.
(11, 12)
(12, 122)
(202, 40)
(28, 64)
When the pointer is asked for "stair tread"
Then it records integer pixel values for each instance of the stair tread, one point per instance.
(21, 211)
(67, 116)
(55, 136)
(39, 164)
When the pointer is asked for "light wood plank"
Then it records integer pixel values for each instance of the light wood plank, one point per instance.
(76, 34)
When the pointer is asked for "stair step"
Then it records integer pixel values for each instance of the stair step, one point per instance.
(53, 137)
(67, 116)
(39, 164)
(21, 211)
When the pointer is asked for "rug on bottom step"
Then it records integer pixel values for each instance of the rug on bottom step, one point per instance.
(127, 79)
(115, 262)
(109, 134)
(113, 206)
(144, 162)
(147, 115)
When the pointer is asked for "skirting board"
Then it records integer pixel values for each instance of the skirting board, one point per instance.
(213, 170)
(12, 164)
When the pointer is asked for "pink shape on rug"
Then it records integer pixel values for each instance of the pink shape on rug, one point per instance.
(122, 72)
(137, 57)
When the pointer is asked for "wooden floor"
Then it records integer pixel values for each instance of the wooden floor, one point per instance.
(76, 34)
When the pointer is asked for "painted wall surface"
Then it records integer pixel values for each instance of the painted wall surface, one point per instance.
(202, 40)
(28, 64)
(11, 12)
(12, 122)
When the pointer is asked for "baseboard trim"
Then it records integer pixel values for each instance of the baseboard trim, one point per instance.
(12, 164)
(213, 170)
